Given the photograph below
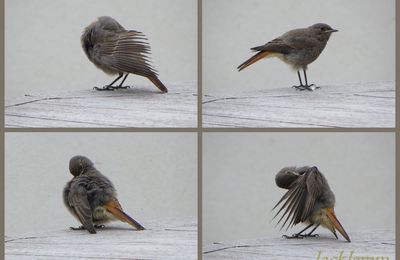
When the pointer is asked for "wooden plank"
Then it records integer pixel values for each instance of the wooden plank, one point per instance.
(377, 243)
(135, 107)
(176, 239)
(351, 105)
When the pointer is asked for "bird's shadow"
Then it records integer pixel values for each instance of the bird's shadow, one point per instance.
(319, 238)
(132, 90)
(109, 228)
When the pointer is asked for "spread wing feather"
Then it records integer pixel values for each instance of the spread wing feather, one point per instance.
(299, 200)
(127, 52)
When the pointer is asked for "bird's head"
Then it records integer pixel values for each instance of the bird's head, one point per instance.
(323, 28)
(79, 164)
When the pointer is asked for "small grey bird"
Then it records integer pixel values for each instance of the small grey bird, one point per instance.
(91, 197)
(309, 200)
(115, 50)
(298, 48)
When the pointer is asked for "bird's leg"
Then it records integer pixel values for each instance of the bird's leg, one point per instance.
(301, 86)
(122, 82)
(310, 234)
(299, 235)
(334, 232)
(308, 87)
(110, 86)
(298, 74)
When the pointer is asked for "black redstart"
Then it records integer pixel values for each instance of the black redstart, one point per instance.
(309, 200)
(298, 48)
(91, 197)
(118, 51)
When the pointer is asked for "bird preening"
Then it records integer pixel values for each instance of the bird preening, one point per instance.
(309, 200)
(118, 51)
(298, 48)
(91, 197)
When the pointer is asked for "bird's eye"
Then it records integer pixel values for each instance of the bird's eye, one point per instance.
(322, 29)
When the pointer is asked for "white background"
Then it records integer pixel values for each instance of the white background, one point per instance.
(239, 189)
(43, 52)
(362, 51)
(155, 175)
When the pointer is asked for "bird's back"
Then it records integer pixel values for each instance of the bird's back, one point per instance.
(98, 187)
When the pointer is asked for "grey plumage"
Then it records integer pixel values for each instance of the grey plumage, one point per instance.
(91, 197)
(298, 48)
(116, 50)
(309, 199)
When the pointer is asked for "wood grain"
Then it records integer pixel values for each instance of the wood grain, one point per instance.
(377, 243)
(353, 105)
(135, 107)
(173, 239)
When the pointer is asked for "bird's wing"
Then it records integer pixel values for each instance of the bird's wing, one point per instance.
(116, 210)
(314, 183)
(127, 52)
(300, 41)
(276, 45)
(300, 199)
(78, 201)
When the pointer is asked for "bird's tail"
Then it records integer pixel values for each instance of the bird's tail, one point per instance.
(158, 84)
(258, 56)
(115, 209)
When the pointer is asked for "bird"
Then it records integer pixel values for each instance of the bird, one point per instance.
(115, 50)
(309, 200)
(298, 48)
(91, 197)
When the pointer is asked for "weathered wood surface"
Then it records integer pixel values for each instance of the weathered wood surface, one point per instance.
(370, 243)
(351, 105)
(170, 240)
(136, 107)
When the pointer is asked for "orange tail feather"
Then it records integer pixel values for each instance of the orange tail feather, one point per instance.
(260, 55)
(158, 84)
(115, 209)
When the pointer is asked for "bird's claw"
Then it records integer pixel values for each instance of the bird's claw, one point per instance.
(99, 226)
(300, 87)
(293, 236)
(105, 88)
(77, 228)
(305, 87)
(111, 88)
(121, 87)
(299, 236)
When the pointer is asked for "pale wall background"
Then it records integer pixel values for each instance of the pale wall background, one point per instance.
(155, 175)
(43, 51)
(362, 51)
(239, 180)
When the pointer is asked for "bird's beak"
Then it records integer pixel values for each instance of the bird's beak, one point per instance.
(331, 31)
(330, 213)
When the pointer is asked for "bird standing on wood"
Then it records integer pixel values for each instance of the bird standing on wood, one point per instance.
(91, 197)
(115, 50)
(298, 48)
(309, 200)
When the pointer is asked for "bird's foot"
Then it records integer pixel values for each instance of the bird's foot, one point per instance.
(110, 88)
(77, 228)
(311, 235)
(300, 236)
(299, 87)
(311, 87)
(99, 226)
